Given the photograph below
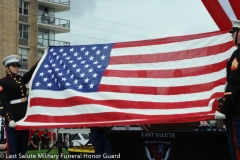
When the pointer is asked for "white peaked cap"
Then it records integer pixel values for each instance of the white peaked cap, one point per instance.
(235, 23)
(11, 59)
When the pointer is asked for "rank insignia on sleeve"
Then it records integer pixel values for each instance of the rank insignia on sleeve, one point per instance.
(1, 89)
(234, 64)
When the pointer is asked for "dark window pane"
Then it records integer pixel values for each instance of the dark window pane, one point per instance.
(26, 11)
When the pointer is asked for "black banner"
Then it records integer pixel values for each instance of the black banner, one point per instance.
(159, 145)
(170, 145)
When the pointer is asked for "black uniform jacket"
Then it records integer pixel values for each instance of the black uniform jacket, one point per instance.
(13, 88)
(45, 139)
(231, 100)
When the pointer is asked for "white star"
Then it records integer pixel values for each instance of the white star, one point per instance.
(82, 49)
(93, 48)
(82, 62)
(54, 65)
(51, 61)
(91, 85)
(98, 52)
(41, 74)
(95, 75)
(61, 61)
(72, 75)
(105, 47)
(56, 58)
(99, 66)
(49, 84)
(60, 74)
(70, 61)
(54, 53)
(74, 66)
(46, 66)
(103, 57)
(75, 82)
(78, 70)
(61, 50)
(52, 76)
(79, 58)
(82, 75)
(86, 80)
(91, 58)
(76, 53)
(67, 84)
(55, 80)
(86, 53)
(86, 66)
(45, 79)
(59, 85)
(68, 71)
(64, 79)
(65, 54)
(80, 87)
(51, 50)
(37, 84)
(57, 69)
(68, 58)
(96, 62)
(90, 70)
(64, 66)
(71, 50)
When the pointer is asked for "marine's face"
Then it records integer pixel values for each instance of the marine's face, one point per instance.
(13, 68)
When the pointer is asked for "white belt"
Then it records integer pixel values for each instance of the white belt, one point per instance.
(18, 100)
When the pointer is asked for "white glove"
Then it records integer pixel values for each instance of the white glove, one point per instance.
(12, 124)
(219, 115)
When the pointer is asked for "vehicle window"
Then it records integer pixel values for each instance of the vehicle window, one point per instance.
(74, 137)
(85, 136)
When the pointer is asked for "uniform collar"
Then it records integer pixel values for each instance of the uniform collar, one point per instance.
(9, 75)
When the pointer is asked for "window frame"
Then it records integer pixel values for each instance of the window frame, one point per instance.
(24, 58)
(22, 8)
(22, 27)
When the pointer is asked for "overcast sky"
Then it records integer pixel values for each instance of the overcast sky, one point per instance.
(109, 21)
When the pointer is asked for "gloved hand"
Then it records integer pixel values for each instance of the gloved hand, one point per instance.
(12, 124)
(219, 115)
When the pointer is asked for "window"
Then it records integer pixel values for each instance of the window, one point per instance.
(46, 11)
(40, 54)
(45, 37)
(23, 8)
(23, 53)
(23, 31)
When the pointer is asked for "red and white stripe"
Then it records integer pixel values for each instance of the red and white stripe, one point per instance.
(222, 11)
(168, 80)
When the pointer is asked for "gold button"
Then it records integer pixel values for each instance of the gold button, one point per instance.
(20, 86)
(21, 90)
(22, 94)
(15, 79)
(23, 99)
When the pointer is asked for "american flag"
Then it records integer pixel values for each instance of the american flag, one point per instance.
(167, 80)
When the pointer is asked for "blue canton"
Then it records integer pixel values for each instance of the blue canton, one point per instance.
(72, 67)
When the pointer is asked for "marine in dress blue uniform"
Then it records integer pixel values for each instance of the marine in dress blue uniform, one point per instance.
(229, 107)
(14, 101)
